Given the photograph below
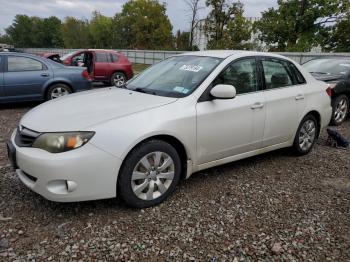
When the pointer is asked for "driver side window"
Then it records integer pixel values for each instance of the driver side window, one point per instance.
(242, 74)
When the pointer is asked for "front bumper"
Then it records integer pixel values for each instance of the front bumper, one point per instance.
(87, 173)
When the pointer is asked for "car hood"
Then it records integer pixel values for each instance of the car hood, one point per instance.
(327, 77)
(81, 111)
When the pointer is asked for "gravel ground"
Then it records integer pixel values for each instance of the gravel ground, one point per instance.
(271, 207)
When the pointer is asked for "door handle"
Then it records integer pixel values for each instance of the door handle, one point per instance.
(257, 105)
(45, 74)
(299, 97)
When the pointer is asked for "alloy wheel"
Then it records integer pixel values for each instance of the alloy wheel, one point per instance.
(341, 110)
(153, 175)
(119, 80)
(58, 92)
(307, 135)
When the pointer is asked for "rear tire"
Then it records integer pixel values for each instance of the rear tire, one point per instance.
(149, 174)
(57, 90)
(340, 110)
(118, 79)
(306, 135)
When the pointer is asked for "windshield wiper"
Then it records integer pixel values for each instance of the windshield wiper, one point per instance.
(143, 90)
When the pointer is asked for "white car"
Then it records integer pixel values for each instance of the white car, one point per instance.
(185, 114)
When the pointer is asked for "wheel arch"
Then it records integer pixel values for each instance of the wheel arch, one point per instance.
(173, 141)
(47, 87)
(317, 115)
(118, 71)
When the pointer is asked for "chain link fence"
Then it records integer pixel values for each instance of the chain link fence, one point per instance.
(150, 57)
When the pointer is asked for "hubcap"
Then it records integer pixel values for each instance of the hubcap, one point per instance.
(340, 111)
(119, 80)
(58, 92)
(307, 135)
(152, 175)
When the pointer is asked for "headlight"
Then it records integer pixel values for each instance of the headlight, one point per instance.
(62, 142)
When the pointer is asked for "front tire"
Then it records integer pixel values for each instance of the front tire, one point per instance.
(149, 174)
(306, 135)
(57, 90)
(340, 106)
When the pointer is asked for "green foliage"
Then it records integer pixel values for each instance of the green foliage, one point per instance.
(226, 26)
(339, 40)
(75, 33)
(299, 25)
(183, 41)
(5, 39)
(100, 29)
(33, 31)
(143, 24)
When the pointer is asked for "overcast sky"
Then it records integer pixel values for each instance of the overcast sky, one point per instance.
(176, 9)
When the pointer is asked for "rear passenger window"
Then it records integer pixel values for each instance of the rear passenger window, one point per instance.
(241, 74)
(17, 64)
(299, 78)
(101, 57)
(276, 74)
(114, 58)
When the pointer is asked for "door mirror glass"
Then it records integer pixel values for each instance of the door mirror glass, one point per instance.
(223, 92)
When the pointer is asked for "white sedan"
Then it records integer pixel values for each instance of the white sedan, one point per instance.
(185, 114)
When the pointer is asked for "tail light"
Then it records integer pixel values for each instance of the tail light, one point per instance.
(330, 88)
(86, 75)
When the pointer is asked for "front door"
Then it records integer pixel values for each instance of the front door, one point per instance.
(24, 78)
(233, 126)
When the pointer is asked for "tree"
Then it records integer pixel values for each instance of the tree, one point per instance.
(143, 24)
(183, 41)
(34, 31)
(75, 33)
(194, 8)
(100, 29)
(52, 36)
(226, 26)
(339, 40)
(5, 39)
(299, 25)
(21, 31)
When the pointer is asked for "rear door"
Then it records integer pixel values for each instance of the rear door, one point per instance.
(24, 78)
(285, 101)
(102, 64)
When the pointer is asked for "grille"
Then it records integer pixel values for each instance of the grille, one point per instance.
(25, 137)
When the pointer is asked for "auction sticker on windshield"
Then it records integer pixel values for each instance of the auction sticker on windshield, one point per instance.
(191, 68)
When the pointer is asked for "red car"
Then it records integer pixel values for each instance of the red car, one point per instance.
(106, 66)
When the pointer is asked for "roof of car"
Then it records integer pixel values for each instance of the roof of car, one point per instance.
(228, 53)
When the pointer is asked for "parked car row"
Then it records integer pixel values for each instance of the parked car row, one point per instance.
(185, 114)
(106, 66)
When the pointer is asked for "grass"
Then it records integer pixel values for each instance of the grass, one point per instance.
(138, 68)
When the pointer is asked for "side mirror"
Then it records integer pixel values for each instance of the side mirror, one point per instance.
(223, 91)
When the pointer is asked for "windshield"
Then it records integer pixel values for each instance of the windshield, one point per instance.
(68, 55)
(175, 77)
(328, 66)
